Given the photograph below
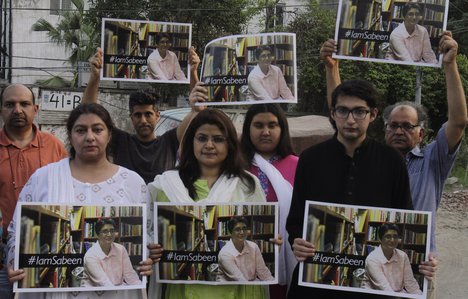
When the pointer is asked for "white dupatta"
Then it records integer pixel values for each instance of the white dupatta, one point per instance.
(283, 190)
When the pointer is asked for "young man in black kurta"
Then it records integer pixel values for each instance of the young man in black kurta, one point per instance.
(349, 169)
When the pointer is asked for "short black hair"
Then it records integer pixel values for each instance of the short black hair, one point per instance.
(6, 87)
(159, 36)
(142, 98)
(101, 222)
(384, 228)
(261, 49)
(237, 219)
(89, 108)
(411, 5)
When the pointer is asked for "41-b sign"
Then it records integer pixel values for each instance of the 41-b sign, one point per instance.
(54, 100)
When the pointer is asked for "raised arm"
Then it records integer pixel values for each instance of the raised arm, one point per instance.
(456, 101)
(194, 61)
(90, 94)
(198, 94)
(331, 67)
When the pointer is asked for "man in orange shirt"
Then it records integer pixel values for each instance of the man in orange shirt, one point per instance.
(23, 149)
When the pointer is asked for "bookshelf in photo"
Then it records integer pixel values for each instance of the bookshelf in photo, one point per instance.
(237, 57)
(364, 15)
(330, 229)
(355, 231)
(66, 229)
(45, 230)
(121, 38)
(204, 228)
(139, 39)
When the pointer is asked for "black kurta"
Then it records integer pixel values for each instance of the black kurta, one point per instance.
(375, 176)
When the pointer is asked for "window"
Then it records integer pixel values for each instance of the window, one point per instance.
(57, 5)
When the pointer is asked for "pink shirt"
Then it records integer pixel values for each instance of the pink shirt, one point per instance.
(271, 86)
(114, 269)
(247, 265)
(393, 275)
(411, 47)
(286, 166)
(167, 68)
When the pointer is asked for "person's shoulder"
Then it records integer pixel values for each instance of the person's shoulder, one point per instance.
(312, 151)
(291, 158)
(131, 176)
(385, 149)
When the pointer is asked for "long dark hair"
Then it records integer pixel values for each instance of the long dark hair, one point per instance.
(284, 147)
(91, 108)
(233, 166)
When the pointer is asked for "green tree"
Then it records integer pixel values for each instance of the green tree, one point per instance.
(72, 32)
(458, 23)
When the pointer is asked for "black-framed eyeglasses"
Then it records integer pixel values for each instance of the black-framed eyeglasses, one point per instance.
(240, 229)
(407, 127)
(214, 139)
(390, 237)
(107, 232)
(358, 113)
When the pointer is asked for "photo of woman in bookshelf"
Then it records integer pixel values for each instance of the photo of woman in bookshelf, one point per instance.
(410, 41)
(163, 64)
(387, 267)
(107, 263)
(241, 259)
(266, 81)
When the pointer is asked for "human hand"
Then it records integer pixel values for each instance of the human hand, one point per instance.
(155, 252)
(429, 268)
(95, 62)
(193, 58)
(449, 47)
(15, 275)
(303, 249)
(146, 267)
(278, 240)
(198, 94)
(326, 51)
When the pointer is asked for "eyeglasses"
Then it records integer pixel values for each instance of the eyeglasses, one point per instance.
(413, 14)
(358, 113)
(107, 232)
(165, 42)
(407, 127)
(266, 56)
(214, 139)
(240, 229)
(390, 237)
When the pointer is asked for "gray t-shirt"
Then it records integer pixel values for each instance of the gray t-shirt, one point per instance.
(148, 159)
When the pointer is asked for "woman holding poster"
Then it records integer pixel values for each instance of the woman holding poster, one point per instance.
(410, 41)
(211, 170)
(87, 177)
(162, 63)
(267, 146)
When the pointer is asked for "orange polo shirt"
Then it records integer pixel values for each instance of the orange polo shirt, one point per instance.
(17, 165)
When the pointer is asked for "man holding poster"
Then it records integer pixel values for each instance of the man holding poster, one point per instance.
(350, 168)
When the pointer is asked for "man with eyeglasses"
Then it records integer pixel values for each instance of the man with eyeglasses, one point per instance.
(410, 41)
(405, 125)
(348, 169)
(162, 63)
(266, 81)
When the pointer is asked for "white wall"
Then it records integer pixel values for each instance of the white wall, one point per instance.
(35, 45)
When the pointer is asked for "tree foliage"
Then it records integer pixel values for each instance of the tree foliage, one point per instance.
(72, 32)
(458, 23)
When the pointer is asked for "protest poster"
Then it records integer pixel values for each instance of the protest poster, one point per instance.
(217, 244)
(61, 247)
(399, 32)
(355, 243)
(145, 51)
(250, 69)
